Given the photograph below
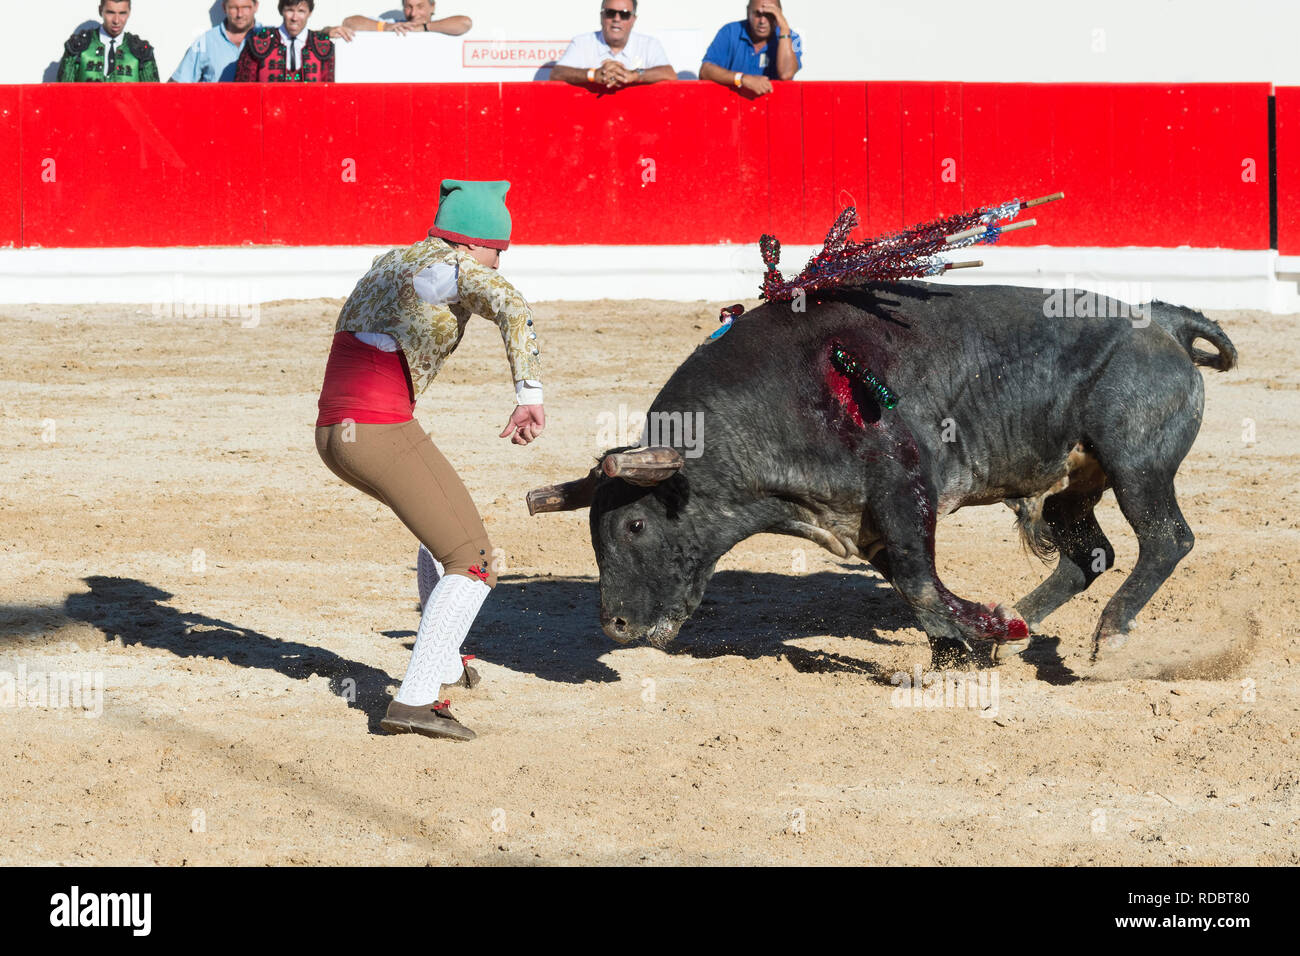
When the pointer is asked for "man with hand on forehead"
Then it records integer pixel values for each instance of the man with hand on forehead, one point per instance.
(614, 57)
(402, 321)
(750, 53)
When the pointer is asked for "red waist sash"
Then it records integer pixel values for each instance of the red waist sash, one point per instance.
(365, 384)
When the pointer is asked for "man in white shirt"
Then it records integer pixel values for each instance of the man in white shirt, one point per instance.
(613, 57)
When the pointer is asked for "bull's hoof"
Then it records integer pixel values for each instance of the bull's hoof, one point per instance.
(1112, 636)
(1108, 643)
(1005, 649)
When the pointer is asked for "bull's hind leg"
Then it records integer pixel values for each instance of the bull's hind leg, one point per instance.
(1082, 548)
(1164, 539)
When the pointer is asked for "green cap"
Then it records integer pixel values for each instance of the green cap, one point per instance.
(473, 212)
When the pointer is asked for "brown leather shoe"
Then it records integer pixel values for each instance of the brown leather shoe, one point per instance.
(470, 678)
(430, 720)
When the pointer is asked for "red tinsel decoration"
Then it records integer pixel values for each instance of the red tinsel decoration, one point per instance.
(902, 255)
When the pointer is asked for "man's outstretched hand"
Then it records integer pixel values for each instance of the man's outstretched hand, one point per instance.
(527, 423)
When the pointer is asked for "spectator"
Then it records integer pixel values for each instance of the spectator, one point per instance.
(419, 19)
(212, 57)
(612, 56)
(289, 53)
(750, 53)
(108, 54)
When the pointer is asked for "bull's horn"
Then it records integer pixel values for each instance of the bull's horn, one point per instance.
(643, 466)
(569, 496)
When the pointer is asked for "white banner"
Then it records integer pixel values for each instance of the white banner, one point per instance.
(434, 58)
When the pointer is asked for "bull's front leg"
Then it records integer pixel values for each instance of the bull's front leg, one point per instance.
(904, 510)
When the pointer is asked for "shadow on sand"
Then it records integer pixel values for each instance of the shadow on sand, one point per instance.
(546, 627)
(137, 612)
(549, 627)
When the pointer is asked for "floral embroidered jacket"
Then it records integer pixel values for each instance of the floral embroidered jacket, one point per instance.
(424, 295)
(264, 59)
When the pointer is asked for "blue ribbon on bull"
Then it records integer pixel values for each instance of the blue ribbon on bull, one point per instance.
(726, 317)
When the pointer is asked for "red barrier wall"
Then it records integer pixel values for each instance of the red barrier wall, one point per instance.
(183, 165)
(150, 166)
(11, 194)
(1288, 170)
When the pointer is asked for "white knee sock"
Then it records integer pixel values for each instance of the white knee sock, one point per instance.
(447, 617)
(427, 572)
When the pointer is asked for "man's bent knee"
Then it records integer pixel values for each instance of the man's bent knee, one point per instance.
(473, 560)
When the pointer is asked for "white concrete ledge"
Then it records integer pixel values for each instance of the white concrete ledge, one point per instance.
(1203, 278)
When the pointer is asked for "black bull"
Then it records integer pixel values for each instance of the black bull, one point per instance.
(999, 402)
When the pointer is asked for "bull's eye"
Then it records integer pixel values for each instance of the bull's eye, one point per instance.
(636, 526)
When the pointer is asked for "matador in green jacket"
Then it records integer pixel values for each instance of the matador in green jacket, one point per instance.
(108, 54)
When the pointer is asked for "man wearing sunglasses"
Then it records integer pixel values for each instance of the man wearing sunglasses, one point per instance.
(613, 56)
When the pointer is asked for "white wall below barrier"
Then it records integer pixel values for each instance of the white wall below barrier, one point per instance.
(228, 278)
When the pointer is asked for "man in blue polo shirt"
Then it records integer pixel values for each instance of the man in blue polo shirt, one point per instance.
(750, 53)
(212, 57)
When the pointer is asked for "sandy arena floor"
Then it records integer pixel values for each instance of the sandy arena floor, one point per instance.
(168, 527)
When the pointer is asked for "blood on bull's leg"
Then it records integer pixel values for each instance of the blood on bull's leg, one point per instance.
(904, 511)
(945, 652)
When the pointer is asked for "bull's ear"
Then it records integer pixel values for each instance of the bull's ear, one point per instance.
(569, 496)
(643, 466)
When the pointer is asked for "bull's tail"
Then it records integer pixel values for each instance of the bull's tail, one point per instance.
(1035, 533)
(1187, 325)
